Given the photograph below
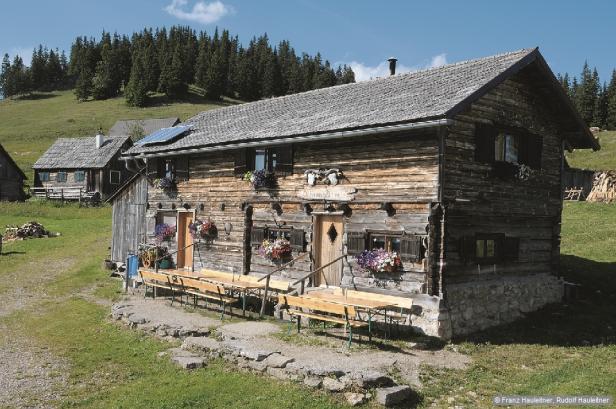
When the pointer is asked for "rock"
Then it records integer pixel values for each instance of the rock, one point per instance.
(258, 366)
(355, 399)
(374, 380)
(333, 385)
(280, 373)
(471, 394)
(393, 395)
(313, 381)
(189, 362)
(278, 361)
(135, 319)
(254, 354)
(202, 344)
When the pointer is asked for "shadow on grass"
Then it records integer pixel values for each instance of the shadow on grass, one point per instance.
(8, 253)
(192, 97)
(36, 96)
(589, 319)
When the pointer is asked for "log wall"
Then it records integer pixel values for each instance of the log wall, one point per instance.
(400, 169)
(479, 202)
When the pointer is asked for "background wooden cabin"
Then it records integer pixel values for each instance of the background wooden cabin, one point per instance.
(11, 178)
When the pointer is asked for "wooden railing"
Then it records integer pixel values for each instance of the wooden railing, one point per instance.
(313, 272)
(62, 193)
(268, 276)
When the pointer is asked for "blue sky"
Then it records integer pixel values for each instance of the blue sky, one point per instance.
(362, 33)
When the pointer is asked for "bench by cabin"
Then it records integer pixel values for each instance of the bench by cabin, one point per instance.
(441, 186)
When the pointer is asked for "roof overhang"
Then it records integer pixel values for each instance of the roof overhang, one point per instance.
(577, 136)
(298, 139)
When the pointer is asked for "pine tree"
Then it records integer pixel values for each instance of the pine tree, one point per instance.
(214, 81)
(272, 77)
(171, 82)
(83, 86)
(586, 94)
(202, 63)
(38, 69)
(610, 117)
(600, 116)
(136, 91)
(19, 77)
(106, 81)
(6, 86)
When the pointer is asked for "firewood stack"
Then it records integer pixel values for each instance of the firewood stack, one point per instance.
(603, 187)
(28, 230)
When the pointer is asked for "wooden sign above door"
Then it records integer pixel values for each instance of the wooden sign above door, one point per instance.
(339, 193)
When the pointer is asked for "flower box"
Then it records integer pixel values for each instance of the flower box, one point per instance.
(164, 232)
(260, 179)
(277, 250)
(379, 261)
(204, 229)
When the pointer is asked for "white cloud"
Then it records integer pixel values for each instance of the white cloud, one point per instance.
(365, 72)
(202, 12)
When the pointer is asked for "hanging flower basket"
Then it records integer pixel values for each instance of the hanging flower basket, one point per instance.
(164, 232)
(165, 184)
(379, 261)
(204, 229)
(260, 179)
(277, 250)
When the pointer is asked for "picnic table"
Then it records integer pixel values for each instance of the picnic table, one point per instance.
(243, 287)
(369, 306)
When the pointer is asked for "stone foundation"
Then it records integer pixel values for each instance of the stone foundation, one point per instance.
(479, 305)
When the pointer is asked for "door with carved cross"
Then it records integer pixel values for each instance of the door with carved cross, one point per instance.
(328, 231)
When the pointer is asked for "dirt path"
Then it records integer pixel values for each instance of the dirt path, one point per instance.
(31, 376)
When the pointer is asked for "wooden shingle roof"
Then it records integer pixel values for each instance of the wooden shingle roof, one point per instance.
(423, 95)
(80, 153)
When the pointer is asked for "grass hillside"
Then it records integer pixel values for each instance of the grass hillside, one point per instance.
(29, 125)
(604, 159)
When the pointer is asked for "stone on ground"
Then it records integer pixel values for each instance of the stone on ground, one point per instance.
(185, 359)
(278, 361)
(333, 385)
(313, 381)
(201, 344)
(354, 399)
(393, 395)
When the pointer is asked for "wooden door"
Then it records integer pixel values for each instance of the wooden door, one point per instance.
(185, 256)
(328, 246)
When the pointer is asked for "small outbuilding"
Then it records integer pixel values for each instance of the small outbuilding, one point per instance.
(81, 168)
(128, 215)
(11, 178)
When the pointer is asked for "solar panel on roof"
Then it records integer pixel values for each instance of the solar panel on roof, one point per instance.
(164, 135)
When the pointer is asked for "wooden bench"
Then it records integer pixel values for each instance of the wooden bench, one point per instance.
(403, 304)
(203, 289)
(276, 286)
(324, 311)
(158, 280)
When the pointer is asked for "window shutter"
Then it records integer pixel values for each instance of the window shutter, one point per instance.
(284, 160)
(257, 235)
(157, 168)
(241, 161)
(181, 168)
(297, 239)
(484, 143)
(535, 150)
(511, 248)
(411, 248)
(356, 242)
(466, 248)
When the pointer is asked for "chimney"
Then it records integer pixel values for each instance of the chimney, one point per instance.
(392, 65)
(99, 138)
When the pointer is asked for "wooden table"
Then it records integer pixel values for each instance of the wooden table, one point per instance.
(370, 306)
(239, 285)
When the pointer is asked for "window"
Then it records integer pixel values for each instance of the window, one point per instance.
(386, 242)
(296, 237)
(506, 148)
(61, 177)
(43, 176)
(509, 145)
(80, 176)
(265, 159)
(274, 233)
(115, 177)
(492, 248)
(278, 160)
(166, 168)
(410, 247)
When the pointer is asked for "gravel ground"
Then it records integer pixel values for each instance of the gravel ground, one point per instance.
(30, 376)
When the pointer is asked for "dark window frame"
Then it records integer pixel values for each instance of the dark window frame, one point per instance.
(44, 176)
(497, 240)
(387, 238)
(82, 174)
(64, 177)
(530, 145)
(115, 172)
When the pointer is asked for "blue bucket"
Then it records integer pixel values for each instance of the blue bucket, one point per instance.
(132, 265)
